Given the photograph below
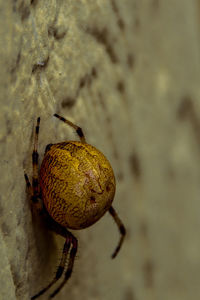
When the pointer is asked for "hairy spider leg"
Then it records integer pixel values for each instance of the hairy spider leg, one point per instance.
(34, 190)
(70, 265)
(69, 241)
(28, 185)
(78, 129)
(121, 228)
(35, 157)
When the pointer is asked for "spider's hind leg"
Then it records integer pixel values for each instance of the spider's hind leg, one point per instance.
(70, 242)
(121, 228)
(68, 272)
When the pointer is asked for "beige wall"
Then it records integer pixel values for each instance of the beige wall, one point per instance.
(128, 73)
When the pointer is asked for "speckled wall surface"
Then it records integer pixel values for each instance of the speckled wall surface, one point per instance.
(128, 73)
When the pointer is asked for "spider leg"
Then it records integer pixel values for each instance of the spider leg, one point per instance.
(35, 161)
(121, 228)
(70, 265)
(35, 181)
(34, 190)
(78, 129)
(35, 201)
(28, 185)
(60, 267)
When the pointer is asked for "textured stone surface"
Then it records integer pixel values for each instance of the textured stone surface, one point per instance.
(128, 73)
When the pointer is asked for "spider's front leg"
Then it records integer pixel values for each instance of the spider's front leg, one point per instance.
(78, 129)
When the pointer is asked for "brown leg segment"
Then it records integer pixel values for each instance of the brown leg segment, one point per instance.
(28, 185)
(35, 156)
(61, 267)
(70, 265)
(78, 129)
(121, 228)
(34, 190)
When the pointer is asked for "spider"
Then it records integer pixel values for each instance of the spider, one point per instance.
(74, 188)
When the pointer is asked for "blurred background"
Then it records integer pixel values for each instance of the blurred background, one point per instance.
(128, 73)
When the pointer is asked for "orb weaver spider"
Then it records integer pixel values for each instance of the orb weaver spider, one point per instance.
(74, 188)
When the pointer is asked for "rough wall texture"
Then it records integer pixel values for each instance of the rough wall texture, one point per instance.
(128, 73)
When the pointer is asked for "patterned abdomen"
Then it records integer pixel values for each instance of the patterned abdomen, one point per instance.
(77, 184)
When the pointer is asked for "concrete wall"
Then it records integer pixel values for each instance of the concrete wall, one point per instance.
(128, 73)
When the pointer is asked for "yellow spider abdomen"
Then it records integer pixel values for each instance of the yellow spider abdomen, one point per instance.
(77, 184)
